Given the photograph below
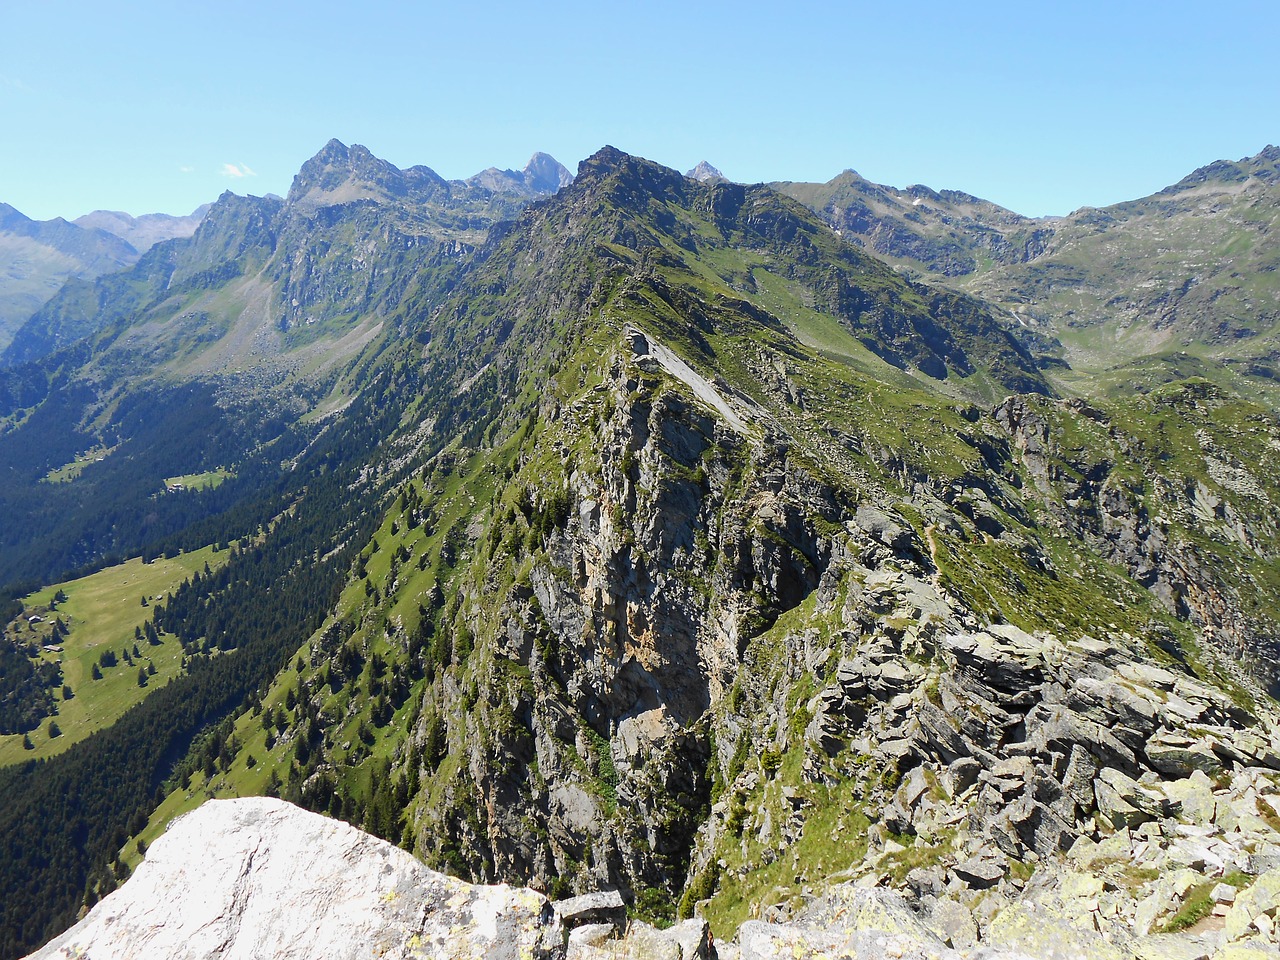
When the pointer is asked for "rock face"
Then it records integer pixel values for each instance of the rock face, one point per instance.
(259, 878)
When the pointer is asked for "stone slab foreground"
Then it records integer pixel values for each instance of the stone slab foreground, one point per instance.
(261, 879)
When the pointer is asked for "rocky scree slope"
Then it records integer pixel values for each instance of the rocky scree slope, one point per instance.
(260, 878)
(696, 609)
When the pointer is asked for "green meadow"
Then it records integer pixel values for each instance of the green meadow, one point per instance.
(101, 612)
(198, 481)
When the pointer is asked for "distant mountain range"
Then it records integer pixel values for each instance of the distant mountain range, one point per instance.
(144, 232)
(1191, 268)
(38, 256)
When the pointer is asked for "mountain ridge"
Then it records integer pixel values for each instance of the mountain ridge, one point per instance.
(145, 231)
(627, 536)
(41, 255)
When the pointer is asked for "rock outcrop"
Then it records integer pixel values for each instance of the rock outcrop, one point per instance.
(258, 879)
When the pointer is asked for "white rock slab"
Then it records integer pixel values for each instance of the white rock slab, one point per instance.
(261, 879)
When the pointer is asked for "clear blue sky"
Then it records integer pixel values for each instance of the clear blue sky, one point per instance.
(1043, 107)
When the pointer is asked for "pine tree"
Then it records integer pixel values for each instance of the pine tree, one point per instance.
(142, 676)
(96, 673)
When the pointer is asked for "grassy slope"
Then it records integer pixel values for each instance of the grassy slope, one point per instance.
(102, 611)
(200, 481)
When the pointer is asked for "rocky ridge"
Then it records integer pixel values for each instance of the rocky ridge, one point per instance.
(713, 571)
(1187, 268)
(258, 878)
(712, 619)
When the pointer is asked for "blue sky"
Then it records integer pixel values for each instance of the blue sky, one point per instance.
(153, 106)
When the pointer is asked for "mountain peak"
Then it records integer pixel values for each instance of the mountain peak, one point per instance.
(341, 174)
(542, 175)
(609, 160)
(545, 174)
(1265, 166)
(11, 217)
(604, 160)
(704, 172)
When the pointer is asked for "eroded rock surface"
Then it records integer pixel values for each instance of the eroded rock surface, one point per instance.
(257, 879)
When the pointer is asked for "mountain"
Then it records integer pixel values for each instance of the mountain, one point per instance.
(251, 324)
(543, 174)
(39, 256)
(144, 232)
(343, 205)
(704, 172)
(648, 536)
(946, 234)
(1188, 270)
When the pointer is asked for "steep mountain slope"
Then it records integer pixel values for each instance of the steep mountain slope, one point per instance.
(948, 234)
(675, 571)
(1191, 268)
(202, 354)
(269, 347)
(39, 256)
(664, 529)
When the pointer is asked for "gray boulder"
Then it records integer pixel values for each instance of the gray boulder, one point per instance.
(605, 906)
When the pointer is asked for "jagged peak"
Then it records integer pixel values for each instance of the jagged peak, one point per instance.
(546, 174)
(342, 174)
(604, 160)
(1264, 165)
(609, 161)
(542, 175)
(11, 216)
(704, 172)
